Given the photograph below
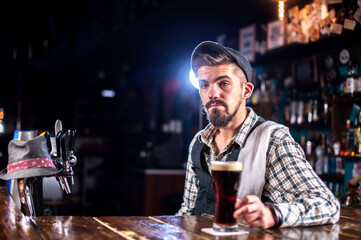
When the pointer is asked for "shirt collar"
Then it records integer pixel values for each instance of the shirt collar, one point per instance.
(239, 138)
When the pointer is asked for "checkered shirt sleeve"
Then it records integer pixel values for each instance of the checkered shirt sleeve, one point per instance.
(293, 186)
(190, 185)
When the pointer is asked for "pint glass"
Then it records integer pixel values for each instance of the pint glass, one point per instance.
(225, 180)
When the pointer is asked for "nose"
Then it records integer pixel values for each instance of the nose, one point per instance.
(213, 92)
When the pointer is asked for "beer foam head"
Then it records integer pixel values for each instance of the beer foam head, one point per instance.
(226, 166)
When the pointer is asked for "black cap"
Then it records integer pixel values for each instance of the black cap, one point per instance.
(215, 48)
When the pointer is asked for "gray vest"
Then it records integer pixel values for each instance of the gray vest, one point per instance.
(253, 155)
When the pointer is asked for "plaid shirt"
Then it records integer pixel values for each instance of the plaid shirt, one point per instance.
(291, 184)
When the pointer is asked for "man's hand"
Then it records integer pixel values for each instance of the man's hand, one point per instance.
(253, 212)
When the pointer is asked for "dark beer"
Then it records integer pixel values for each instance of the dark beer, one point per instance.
(225, 180)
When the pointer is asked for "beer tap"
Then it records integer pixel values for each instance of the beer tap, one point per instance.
(72, 160)
(64, 158)
(67, 169)
(56, 155)
(25, 188)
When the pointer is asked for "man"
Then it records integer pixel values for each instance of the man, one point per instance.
(278, 186)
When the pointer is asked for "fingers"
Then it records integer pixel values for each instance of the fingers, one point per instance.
(251, 217)
(246, 200)
(246, 209)
(264, 221)
(247, 205)
(253, 212)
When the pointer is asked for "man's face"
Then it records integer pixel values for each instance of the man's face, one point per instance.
(222, 90)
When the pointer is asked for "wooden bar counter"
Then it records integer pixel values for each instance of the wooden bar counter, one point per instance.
(14, 225)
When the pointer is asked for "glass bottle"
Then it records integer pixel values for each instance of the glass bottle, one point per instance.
(300, 108)
(325, 115)
(320, 153)
(357, 133)
(293, 108)
(326, 155)
(309, 154)
(287, 108)
(315, 115)
(349, 138)
(351, 79)
(303, 143)
(337, 191)
(308, 108)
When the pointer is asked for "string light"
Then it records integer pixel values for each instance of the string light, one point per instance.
(281, 9)
(324, 11)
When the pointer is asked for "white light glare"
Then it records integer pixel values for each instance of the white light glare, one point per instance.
(108, 93)
(193, 79)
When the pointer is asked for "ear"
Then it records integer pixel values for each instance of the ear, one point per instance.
(248, 89)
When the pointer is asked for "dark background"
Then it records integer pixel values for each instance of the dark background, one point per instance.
(57, 56)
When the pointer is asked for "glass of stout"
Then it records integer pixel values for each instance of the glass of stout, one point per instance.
(225, 179)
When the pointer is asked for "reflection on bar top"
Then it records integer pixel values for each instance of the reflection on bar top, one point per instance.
(156, 171)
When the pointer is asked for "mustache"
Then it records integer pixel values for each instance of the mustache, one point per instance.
(217, 102)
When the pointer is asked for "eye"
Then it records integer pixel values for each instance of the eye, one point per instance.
(203, 85)
(223, 84)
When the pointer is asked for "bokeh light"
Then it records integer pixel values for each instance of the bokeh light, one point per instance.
(193, 79)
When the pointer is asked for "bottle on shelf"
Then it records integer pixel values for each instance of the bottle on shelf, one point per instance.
(326, 152)
(293, 108)
(351, 142)
(309, 154)
(287, 108)
(337, 160)
(303, 143)
(300, 108)
(315, 115)
(320, 152)
(265, 97)
(325, 115)
(256, 96)
(330, 186)
(339, 169)
(308, 108)
(352, 80)
(331, 154)
(358, 83)
(347, 141)
(337, 190)
(357, 134)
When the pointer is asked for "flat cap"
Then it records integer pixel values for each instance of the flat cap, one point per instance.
(209, 47)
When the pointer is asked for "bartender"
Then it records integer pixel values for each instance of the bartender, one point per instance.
(278, 186)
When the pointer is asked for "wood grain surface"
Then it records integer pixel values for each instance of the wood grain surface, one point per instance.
(14, 225)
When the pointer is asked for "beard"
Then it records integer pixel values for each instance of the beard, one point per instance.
(218, 118)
